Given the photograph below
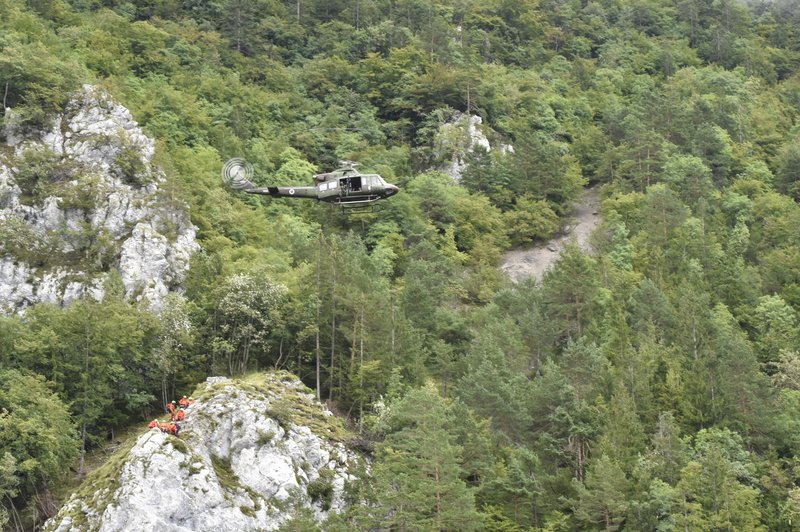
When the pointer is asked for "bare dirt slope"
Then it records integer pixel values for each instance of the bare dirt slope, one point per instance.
(521, 264)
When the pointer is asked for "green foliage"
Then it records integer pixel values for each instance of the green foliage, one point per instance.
(18, 239)
(39, 170)
(682, 325)
(603, 497)
(227, 478)
(532, 220)
(417, 469)
(321, 490)
(249, 310)
(37, 80)
(35, 430)
(130, 166)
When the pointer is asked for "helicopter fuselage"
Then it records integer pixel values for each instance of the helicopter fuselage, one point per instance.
(339, 187)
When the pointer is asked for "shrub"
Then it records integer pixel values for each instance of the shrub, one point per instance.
(38, 168)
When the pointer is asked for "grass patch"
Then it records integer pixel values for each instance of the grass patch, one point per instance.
(283, 416)
(264, 437)
(227, 478)
(230, 481)
(99, 486)
(97, 463)
(178, 443)
(293, 403)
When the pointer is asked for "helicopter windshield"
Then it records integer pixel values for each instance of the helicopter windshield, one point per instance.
(374, 180)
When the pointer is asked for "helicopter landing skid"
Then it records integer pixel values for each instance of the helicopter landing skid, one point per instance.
(362, 208)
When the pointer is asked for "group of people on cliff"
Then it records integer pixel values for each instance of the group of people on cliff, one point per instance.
(177, 413)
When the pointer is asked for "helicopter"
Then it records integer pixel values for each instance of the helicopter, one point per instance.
(345, 186)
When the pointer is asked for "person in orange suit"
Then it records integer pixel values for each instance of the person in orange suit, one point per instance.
(174, 428)
(153, 424)
(180, 415)
(184, 402)
(164, 426)
(171, 408)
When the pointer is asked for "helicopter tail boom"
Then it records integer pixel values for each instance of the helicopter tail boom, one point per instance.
(284, 192)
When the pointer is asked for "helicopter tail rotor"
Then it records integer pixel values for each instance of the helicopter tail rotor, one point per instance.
(236, 173)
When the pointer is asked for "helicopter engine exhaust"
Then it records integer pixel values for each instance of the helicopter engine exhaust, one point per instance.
(236, 173)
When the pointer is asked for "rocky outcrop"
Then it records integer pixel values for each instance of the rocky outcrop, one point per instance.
(458, 138)
(86, 197)
(250, 454)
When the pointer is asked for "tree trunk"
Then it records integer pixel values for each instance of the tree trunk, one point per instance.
(361, 371)
(15, 515)
(393, 327)
(164, 388)
(85, 400)
(280, 354)
(319, 304)
(333, 322)
(437, 479)
(83, 448)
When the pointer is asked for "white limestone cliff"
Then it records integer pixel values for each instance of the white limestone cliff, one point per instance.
(250, 453)
(108, 201)
(458, 138)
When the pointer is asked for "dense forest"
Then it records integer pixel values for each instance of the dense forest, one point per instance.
(654, 384)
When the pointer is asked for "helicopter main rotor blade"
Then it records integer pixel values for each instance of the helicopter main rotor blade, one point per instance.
(236, 173)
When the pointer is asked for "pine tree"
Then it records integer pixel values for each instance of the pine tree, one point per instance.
(603, 498)
(417, 473)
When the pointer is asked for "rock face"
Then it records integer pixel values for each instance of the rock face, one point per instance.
(459, 137)
(250, 454)
(83, 198)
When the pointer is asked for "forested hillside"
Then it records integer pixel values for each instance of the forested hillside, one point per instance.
(652, 385)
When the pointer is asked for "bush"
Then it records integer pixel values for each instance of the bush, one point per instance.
(130, 167)
(22, 242)
(38, 169)
(531, 220)
(321, 490)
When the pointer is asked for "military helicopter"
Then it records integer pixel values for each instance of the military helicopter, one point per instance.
(344, 186)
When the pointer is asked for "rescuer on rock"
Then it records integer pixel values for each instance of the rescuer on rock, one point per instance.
(171, 408)
(164, 426)
(174, 428)
(153, 424)
(184, 402)
(180, 415)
